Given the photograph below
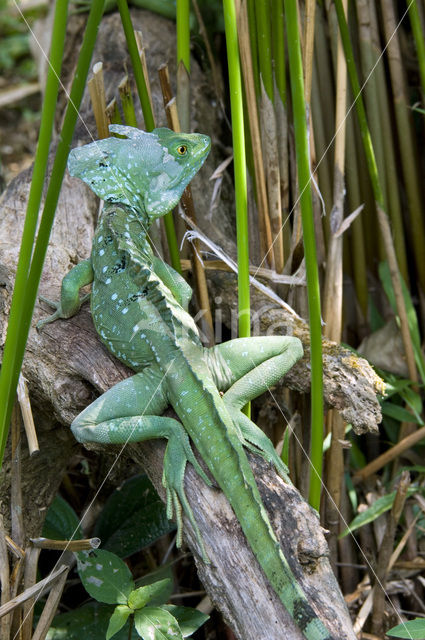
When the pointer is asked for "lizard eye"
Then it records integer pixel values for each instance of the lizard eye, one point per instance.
(181, 150)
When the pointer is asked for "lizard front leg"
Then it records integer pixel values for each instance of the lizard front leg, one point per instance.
(70, 302)
(128, 413)
(174, 281)
(245, 368)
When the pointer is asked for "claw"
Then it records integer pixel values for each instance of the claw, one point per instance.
(199, 470)
(256, 441)
(53, 317)
(177, 454)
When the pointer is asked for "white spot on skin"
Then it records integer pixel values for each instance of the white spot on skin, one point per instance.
(108, 281)
(125, 310)
(114, 296)
(101, 252)
(105, 269)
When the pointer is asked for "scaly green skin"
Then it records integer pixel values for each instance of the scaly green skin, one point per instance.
(139, 308)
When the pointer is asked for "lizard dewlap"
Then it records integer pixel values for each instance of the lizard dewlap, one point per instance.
(139, 306)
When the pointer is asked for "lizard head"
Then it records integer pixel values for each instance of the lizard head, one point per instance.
(146, 171)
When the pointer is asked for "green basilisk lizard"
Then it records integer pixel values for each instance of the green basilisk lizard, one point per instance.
(139, 307)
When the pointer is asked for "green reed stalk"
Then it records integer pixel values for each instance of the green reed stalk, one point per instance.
(183, 63)
(236, 105)
(264, 44)
(26, 287)
(137, 65)
(377, 189)
(278, 48)
(183, 33)
(127, 103)
(148, 117)
(254, 47)
(313, 290)
(418, 37)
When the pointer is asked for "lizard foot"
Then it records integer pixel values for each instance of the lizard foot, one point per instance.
(254, 439)
(177, 454)
(57, 314)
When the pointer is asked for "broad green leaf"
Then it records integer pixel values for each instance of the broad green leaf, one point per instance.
(141, 596)
(380, 506)
(117, 620)
(189, 619)
(163, 573)
(133, 517)
(414, 630)
(154, 623)
(399, 413)
(61, 523)
(89, 622)
(105, 576)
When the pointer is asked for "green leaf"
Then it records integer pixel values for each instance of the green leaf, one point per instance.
(89, 622)
(413, 399)
(163, 573)
(61, 523)
(133, 517)
(392, 383)
(141, 596)
(154, 623)
(399, 413)
(380, 506)
(189, 619)
(117, 620)
(105, 576)
(414, 629)
(411, 468)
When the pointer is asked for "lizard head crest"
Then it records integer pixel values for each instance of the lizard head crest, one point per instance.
(146, 171)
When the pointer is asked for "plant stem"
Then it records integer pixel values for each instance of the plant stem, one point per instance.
(264, 44)
(183, 33)
(377, 190)
(147, 115)
(183, 64)
(137, 65)
(20, 320)
(313, 291)
(239, 166)
(11, 366)
(418, 37)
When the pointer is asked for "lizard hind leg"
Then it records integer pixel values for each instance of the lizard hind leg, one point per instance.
(124, 414)
(247, 367)
(254, 439)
